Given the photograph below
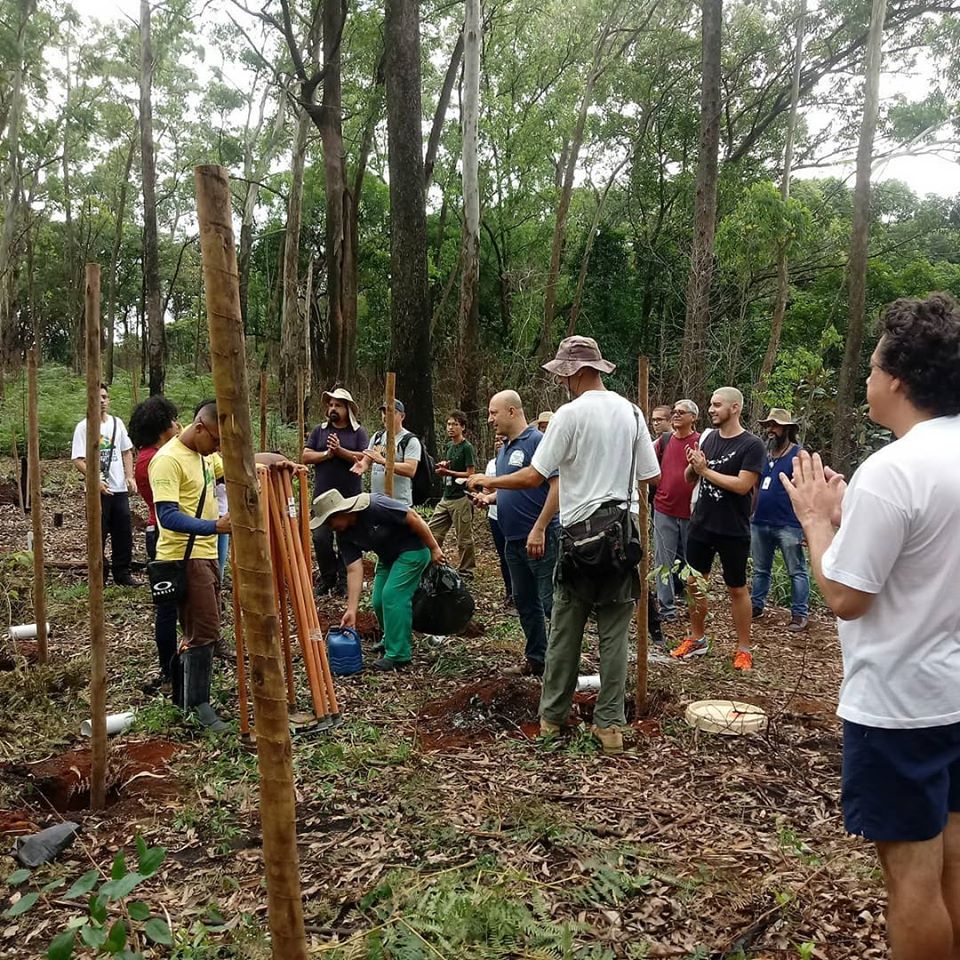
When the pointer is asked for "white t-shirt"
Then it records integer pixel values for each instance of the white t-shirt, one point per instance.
(590, 442)
(402, 486)
(116, 481)
(491, 471)
(898, 541)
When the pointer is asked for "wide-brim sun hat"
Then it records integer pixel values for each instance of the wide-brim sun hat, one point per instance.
(575, 353)
(352, 406)
(780, 417)
(545, 417)
(333, 501)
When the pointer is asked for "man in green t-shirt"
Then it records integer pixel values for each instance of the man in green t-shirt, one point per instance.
(454, 509)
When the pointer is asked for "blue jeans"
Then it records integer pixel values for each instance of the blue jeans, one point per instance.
(223, 551)
(764, 541)
(501, 544)
(669, 542)
(533, 591)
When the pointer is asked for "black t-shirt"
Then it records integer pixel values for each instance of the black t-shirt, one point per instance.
(334, 474)
(382, 528)
(720, 511)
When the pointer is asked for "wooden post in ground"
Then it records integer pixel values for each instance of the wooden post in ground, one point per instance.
(253, 577)
(98, 646)
(643, 625)
(389, 401)
(36, 506)
(263, 411)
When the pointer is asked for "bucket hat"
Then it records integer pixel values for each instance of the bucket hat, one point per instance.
(333, 501)
(780, 417)
(340, 394)
(574, 353)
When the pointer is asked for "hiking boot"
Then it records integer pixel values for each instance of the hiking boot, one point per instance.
(756, 613)
(611, 739)
(195, 665)
(548, 729)
(208, 718)
(125, 580)
(387, 664)
(743, 660)
(797, 624)
(689, 647)
(529, 668)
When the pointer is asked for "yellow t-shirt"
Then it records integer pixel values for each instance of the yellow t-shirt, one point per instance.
(178, 475)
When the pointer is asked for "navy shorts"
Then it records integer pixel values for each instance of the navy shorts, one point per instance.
(734, 552)
(899, 785)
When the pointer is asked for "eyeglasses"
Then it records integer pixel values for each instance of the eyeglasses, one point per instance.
(659, 419)
(215, 437)
(680, 413)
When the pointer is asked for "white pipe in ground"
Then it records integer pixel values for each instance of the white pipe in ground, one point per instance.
(25, 631)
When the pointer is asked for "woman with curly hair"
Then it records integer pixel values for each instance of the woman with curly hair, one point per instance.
(152, 423)
(890, 574)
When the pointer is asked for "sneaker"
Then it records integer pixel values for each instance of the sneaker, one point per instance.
(386, 664)
(127, 581)
(548, 729)
(689, 648)
(798, 624)
(743, 660)
(611, 739)
(529, 668)
(757, 613)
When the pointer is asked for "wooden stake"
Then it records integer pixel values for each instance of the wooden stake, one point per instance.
(263, 410)
(389, 401)
(36, 506)
(98, 646)
(280, 597)
(643, 625)
(252, 574)
(17, 473)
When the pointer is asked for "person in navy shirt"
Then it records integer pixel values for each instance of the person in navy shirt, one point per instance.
(775, 525)
(531, 532)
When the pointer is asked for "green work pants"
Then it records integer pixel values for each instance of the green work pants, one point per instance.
(459, 515)
(570, 613)
(393, 588)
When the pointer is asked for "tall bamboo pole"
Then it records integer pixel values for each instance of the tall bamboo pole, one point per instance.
(643, 608)
(263, 410)
(98, 646)
(36, 507)
(253, 577)
(389, 401)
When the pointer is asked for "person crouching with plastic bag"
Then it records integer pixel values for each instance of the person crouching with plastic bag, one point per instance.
(404, 546)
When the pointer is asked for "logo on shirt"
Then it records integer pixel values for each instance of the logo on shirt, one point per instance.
(516, 458)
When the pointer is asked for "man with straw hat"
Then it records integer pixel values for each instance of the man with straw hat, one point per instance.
(775, 525)
(404, 547)
(595, 451)
(333, 448)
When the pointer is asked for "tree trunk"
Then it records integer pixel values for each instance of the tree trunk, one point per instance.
(156, 349)
(71, 259)
(694, 364)
(850, 370)
(254, 581)
(114, 263)
(468, 366)
(440, 114)
(410, 348)
(9, 319)
(783, 276)
(292, 347)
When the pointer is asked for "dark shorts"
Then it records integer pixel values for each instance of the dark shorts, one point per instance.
(734, 552)
(899, 785)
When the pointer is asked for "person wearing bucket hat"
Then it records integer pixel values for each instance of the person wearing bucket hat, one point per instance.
(596, 451)
(404, 546)
(332, 449)
(775, 525)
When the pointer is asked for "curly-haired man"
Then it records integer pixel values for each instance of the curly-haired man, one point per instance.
(889, 573)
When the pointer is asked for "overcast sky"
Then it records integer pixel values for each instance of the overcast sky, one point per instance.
(923, 174)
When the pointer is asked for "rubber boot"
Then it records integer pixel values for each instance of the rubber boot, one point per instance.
(196, 666)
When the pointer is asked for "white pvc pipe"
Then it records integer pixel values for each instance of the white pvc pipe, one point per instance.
(26, 631)
(116, 723)
(590, 682)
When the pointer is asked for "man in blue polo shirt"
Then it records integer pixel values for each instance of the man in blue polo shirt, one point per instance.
(775, 525)
(531, 540)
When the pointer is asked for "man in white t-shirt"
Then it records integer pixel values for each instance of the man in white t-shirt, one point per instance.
(592, 443)
(890, 574)
(116, 485)
(408, 457)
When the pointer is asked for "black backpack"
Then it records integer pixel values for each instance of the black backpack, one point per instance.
(423, 480)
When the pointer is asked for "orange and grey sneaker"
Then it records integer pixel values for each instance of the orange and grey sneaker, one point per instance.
(689, 647)
(743, 660)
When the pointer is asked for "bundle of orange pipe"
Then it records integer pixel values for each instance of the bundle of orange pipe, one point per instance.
(288, 532)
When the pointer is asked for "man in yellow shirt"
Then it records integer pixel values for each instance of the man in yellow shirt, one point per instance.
(182, 481)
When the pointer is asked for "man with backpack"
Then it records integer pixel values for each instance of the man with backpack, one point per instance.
(454, 509)
(671, 505)
(409, 453)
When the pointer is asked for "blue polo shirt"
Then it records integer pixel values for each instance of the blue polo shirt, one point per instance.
(774, 508)
(517, 510)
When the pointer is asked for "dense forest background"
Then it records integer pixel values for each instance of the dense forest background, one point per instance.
(447, 189)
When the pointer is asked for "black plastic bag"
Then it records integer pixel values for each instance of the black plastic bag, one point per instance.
(46, 845)
(442, 604)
